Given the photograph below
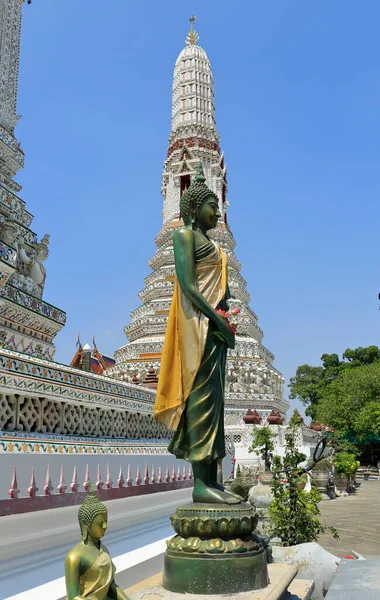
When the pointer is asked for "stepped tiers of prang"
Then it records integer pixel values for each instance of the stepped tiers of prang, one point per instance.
(28, 324)
(252, 381)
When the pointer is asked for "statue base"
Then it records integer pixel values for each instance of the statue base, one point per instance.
(215, 551)
(282, 584)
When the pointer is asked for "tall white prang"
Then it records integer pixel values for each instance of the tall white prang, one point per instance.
(252, 381)
(27, 323)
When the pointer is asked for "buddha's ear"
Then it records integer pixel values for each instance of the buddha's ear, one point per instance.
(85, 534)
(193, 211)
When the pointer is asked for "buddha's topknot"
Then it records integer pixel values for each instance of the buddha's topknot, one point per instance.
(194, 196)
(90, 509)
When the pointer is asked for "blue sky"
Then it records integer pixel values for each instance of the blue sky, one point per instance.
(297, 89)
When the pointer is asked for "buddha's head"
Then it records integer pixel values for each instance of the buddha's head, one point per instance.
(93, 517)
(199, 204)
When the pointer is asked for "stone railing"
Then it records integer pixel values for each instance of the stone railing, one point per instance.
(140, 484)
(162, 257)
(19, 412)
(40, 396)
(160, 274)
(140, 331)
(149, 309)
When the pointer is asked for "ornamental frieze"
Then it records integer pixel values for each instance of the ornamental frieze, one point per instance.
(35, 304)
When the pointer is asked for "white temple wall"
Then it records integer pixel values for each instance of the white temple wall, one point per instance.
(242, 437)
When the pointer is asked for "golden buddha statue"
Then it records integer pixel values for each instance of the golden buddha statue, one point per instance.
(89, 570)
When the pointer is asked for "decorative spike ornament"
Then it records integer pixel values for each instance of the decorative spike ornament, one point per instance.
(48, 488)
(146, 475)
(120, 479)
(99, 483)
(32, 489)
(61, 485)
(159, 478)
(87, 480)
(179, 477)
(109, 482)
(184, 476)
(167, 476)
(190, 472)
(138, 476)
(173, 474)
(74, 485)
(129, 478)
(153, 477)
(192, 37)
(13, 491)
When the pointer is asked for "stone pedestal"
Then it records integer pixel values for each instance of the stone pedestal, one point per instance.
(282, 585)
(214, 551)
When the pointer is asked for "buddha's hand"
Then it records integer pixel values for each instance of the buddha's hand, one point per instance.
(224, 328)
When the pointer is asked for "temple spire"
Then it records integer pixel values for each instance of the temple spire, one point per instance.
(194, 155)
(192, 37)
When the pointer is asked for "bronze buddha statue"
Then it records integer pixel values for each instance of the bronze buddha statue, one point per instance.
(89, 570)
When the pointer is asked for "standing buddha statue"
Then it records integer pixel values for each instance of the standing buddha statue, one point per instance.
(89, 570)
(190, 394)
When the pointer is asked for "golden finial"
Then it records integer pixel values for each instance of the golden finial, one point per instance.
(192, 36)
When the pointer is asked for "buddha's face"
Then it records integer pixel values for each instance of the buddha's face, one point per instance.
(208, 214)
(98, 527)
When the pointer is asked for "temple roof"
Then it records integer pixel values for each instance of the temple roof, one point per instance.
(97, 363)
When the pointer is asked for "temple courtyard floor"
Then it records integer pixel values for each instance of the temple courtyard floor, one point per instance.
(357, 519)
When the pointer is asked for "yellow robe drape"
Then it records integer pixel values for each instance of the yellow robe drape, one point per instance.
(185, 337)
(95, 582)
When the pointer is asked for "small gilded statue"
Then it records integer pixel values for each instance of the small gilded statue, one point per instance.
(89, 570)
(190, 394)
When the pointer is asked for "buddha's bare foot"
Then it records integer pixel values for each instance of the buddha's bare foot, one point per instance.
(209, 495)
(218, 486)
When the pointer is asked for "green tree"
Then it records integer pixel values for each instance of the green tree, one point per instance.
(307, 386)
(368, 422)
(351, 403)
(310, 384)
(362, 356)
(263, 445)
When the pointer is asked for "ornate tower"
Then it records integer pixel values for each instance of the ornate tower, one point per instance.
(252, 381)
(27, 323)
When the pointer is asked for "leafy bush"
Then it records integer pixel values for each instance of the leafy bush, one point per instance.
(293, 513)
(323, 465)
(345, 463)
(263, 445)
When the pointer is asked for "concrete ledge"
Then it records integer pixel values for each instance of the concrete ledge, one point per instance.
(300, 589)
(280, 577)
